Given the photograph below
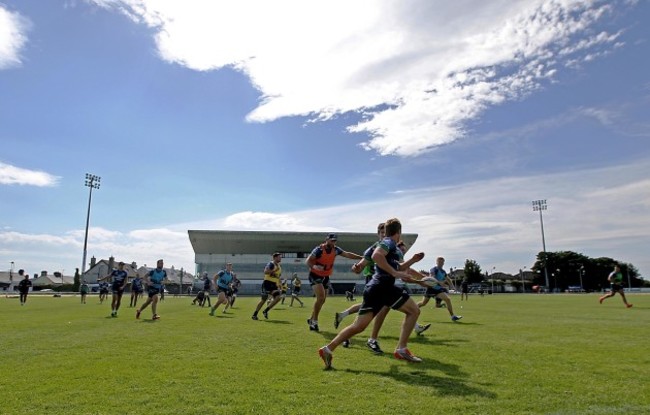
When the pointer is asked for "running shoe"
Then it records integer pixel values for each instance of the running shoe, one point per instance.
(456, 318)
(346, 343)
(337, 320)
(628, 305)
(326, 355)
(266, 314)
(374, 346)
(211, 313)
(137, 314)
(254, 317)
(405, 354)
(313, 327)
(421, 329)
(155, 317)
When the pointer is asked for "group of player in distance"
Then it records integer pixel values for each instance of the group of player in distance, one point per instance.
(382, 264)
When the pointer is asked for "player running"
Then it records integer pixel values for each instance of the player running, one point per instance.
(440, 290)
(381, 292)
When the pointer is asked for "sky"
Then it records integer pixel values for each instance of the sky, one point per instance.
(324, 116)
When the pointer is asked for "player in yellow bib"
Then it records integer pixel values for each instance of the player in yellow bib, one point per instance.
(270, 286)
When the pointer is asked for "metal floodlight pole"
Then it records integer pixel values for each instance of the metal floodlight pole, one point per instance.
(581, 271)
(539, 205)
(92, 182)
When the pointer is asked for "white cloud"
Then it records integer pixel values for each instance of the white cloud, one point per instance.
(598, 212)
(420, 71)
(13, 28)
(15, 175)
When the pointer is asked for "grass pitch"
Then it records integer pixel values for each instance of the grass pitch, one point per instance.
(511, 354)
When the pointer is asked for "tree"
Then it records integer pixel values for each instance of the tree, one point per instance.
(567, 268)
(472, 271)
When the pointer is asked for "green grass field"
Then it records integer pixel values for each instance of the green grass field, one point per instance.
(511, 354)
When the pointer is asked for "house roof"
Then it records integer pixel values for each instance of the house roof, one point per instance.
(266, 242)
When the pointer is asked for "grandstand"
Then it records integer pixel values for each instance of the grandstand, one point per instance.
(249, 251)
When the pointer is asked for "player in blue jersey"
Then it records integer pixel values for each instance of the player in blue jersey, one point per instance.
(367, 267)
(381, 292)
(154, 281)
(236, 285)
(136, 290)
(222, 282)
(119, 280)
(103, 289)
(440, 290)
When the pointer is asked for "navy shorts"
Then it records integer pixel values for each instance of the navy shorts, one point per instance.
(616, 288)
(317, 279)
(153, 291)
(226, 291)
(375, 297)
(433, 291)
(269, 287)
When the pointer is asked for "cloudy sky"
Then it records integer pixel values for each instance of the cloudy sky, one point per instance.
(324, 116)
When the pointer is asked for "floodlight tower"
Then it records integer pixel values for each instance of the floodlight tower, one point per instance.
(539, 205)
(92, 182)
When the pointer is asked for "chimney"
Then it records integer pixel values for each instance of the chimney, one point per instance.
(93, 262)
(111, 263)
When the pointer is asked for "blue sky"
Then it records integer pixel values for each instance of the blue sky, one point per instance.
(291, 115)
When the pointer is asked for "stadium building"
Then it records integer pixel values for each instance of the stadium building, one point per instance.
(250, 251)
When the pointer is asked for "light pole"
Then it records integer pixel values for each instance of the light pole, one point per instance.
(539, 205)
(581, 272)
(492, 278)
(92, 182)
(521, 274)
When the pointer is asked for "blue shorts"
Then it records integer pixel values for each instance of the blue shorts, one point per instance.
(153, 291)
(378, 296)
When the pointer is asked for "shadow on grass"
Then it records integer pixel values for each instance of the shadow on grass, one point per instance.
(277, 321)
(451, 385)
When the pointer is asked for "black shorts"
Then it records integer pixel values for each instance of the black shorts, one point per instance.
(434, 291)
(151, 291)
(616, 288)
(269, 287)
(117, 289)
(296, 290)
(317, 279)
(103, 291)
(137, 290)
(226, 291)
(376, 297)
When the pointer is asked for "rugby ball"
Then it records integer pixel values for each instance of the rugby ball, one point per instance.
(429, 281)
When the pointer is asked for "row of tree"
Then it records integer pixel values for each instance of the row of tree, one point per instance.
(567, 268)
